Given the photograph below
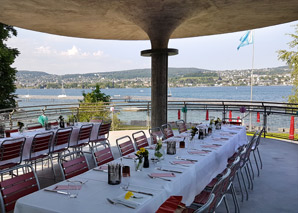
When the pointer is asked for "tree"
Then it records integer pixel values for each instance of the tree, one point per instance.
(7, 73)
(95, 96)
(291, 58)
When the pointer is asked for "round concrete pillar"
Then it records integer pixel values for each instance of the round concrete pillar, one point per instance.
(159, 84)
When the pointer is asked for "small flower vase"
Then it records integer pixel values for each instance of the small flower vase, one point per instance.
(21, 130)
(138, 164)
(191, 143)
(146, 162)
(158, 154)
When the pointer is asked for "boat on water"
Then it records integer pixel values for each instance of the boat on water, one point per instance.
(169, 91)
(63, 94)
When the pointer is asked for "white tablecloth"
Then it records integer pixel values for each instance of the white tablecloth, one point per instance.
(92, 196)
(30, 135)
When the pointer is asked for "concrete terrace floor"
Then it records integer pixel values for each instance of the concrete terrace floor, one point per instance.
(275, 190)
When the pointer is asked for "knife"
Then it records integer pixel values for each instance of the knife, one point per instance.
(100, 170)
(168, 170)
(188, 159)
(59, 192)
(140, 192)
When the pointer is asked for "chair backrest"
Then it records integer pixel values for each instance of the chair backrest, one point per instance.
(234, 167)
(34, 126)
(84, 133)
(96, 120)
(104, 130)
(154, 134)
(140, 139)
(12, 148)
(62, 137)
(167, 131)
(181, 126)
(41, 142)
(102, 154)
(259, 136)
(24, 182)
(206, 207)
(219, 187)
(249, 148)
(125, 145)
(73, 164)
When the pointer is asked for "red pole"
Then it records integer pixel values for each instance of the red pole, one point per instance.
(179, 114)
(238, 118)
(230, 115)
(258, 117)
(292, 128)
(207, 115)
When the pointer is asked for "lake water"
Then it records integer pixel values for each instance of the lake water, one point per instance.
(266, 93)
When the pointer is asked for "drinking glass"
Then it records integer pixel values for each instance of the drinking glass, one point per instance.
(73, 188)
(126, 176)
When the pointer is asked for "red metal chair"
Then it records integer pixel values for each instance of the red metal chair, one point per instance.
(125, 145)
(140, 139)
(103, 134)
(83, 137)
(73, 164)
(102, 154)
(171, 205)
(155, 134)
(11, 150)
(19, 185)
(181, 126)
(41, 149)
(217, 190)
(167, 131)
(61, 141)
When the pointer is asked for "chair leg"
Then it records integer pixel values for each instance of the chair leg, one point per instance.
(253, 174)
(256, 163)
(51, 160)
(260, 158)
(239, 186)
(226, 204)
(244, 184)
(235, 198)
(250, 178)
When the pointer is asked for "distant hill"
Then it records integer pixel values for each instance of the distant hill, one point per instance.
(141, 78)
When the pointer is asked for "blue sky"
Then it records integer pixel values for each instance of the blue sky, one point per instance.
(65, 55)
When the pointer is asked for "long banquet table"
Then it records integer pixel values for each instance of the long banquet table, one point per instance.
(192, 180)
(29, 135)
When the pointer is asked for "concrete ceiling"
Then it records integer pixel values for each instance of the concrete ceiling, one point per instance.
(141, 19)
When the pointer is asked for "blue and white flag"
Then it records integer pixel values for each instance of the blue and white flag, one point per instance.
(246, 39)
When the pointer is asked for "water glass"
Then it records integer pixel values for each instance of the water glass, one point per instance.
(73, 189)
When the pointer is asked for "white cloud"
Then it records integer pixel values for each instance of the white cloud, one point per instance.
(98, 53)
(43, 50)
(71, 52)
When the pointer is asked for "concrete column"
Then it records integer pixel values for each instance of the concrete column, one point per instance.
(159, 84)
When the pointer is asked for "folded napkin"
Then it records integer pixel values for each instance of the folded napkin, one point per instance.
(68, 187)
(127, 202)
(220, 139)
(163, 174)
(178, 136)
(183, 162)
(225, 134)
(197, 152)
(172, 204)
(209, 146)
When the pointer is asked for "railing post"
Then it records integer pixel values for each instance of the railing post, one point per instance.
(224, 112)
(185, 113)
(148, 115)
(78, 113)
(265, 122)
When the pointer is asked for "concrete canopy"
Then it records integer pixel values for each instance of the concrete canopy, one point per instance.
(141, 19)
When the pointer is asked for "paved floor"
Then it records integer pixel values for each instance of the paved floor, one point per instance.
(276, 190)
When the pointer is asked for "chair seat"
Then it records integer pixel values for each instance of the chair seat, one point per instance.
(202, 198)
(59, 150)
(212, 183)
(79, 145)
(8, 165)
(98, 140)
(38, 157)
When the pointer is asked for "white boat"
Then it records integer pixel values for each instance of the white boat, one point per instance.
(27, 96)
(169, 92)
(63, 95)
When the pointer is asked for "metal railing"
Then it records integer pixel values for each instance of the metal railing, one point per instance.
(274, 116)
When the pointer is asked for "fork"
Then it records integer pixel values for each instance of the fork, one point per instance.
(115, 203)
(159, 178)
(77, 181)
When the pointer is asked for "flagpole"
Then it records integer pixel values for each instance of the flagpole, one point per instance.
(251, 77)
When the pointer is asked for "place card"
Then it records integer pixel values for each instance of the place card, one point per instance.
(199, 152)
